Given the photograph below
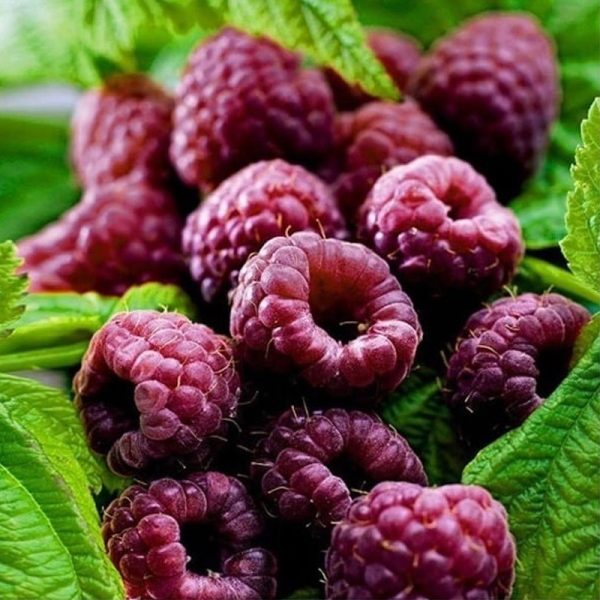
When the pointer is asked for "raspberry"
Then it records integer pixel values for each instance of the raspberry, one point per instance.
(262, 201)
(243, 99)
(438, 224)
(399, 54)
(307, 462)
(377, 137)
(509, 357)
(327, 310)
(155, 390)
(405, 541)
(192, 539)
(122, 128)
(492, 85)
(120, 234)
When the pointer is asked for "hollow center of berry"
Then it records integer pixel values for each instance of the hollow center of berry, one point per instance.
(202, 547)
(354, 477)
(333, 306)
(460, 204)
(552, 364)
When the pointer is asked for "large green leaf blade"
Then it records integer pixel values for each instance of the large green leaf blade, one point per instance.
(12, 288)
(581, 246)
(546, 475)
(48, 518)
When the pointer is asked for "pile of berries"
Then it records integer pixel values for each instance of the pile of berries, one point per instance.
(327, 225)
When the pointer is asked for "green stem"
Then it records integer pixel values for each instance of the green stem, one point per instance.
(558, 278)
(46, 358)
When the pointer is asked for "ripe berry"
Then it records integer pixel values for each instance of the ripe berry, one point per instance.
(120, 234)
(439, 226)
(328, 311)
(244, 99)
(262, 201)
(155, 391)
(492, 85)
(192, 539)
(372, 140)
(509, 357)
(309, 463)
(405, 541)
(397, 52)
(120, 129)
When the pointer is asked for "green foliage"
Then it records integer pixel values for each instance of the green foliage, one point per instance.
(55, 329)
(35, 184)
(581, 246)
(546, 475)
(12, 288)
(416, 410)
(50, 543)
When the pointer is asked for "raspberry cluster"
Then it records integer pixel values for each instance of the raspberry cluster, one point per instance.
(321, 230)
(260, 202)
(155, 390)
(193, 538)
(243, 99)
(328, 311)
(509, 357)
(405, 541)
(296, 462)
(493, 86)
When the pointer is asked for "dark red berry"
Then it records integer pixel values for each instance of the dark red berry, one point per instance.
(309, 462)
(375, 138)
(120, 129)
(509, 357)
(327, 311)
(189, 539)
(120, 234)
(155, 390)
(262, 201)
(244, 99)
(438, 224)
(405, 541)
(398, 53)
(493, 86)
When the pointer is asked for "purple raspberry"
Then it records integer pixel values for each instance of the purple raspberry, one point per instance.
(328, 311)
(155, 391)
(372, 140)
(192, 539)
(493, 86)
(244, 99)
(120, 234)
(510, 356)
(397, 52)
(405, 541)
(120, 129)
(439, 226)
(308, 462)
(262, 201)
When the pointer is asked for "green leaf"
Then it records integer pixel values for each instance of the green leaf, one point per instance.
(55, 329)
(12, 288)
(581, 246)
(586, 338)
(36, 186)
(541, 207)
(307, 593)
(50, 543)
(546, 475)
(328, 31)
(536, 275)
(416, 410)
